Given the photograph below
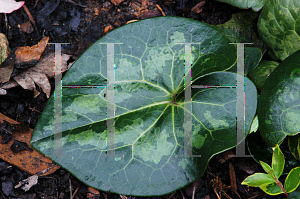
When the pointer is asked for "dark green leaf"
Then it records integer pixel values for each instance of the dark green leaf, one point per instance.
(279, 102)
(149, 120)
(294, 145)
(241, 29)
(260, 74)
(295, 194)
(252, 58)
(279, 27)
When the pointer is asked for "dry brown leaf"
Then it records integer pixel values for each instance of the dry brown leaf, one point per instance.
(30, 162)
(4, 49)
(10, 84)
(6, 63)
(27, 79)
(38, 74)
(150, 14)
(28, 54)
(108, 28)
(26, 27)
(92, 192)
(6, 68)
(46, 64)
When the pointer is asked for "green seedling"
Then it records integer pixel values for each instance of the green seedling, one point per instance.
(269, 182)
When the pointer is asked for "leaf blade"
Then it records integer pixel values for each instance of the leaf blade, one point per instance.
(148, 125)
(258, 180)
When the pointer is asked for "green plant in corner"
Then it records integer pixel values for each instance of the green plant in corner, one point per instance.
(269, 182)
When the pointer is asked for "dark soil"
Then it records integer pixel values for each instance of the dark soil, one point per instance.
(63, 25)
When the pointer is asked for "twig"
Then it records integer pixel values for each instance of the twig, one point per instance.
(235, 192)
(171, 196)
(211, 174)
(70, 1)
(227, 196)
(70, 189)
(197, 8)
(255, 196)
(29, 15)
(33, 109)
(75, 192)
(124, 19)
(134, 20)
(36, 2)
(6, 130)
(264, 51)
(2, 194)
(162, 12)
(232, 177)
(182, 194)
(193, 192)
(6, 23)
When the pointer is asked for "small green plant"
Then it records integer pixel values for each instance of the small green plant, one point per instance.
(269, 182)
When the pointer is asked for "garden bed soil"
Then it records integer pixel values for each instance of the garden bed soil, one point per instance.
(63, 25)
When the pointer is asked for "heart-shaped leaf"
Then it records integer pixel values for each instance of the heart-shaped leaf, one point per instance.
(150, 108)
(279, 27)
(279, 102)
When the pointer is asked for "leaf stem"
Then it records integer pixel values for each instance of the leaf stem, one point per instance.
(279, 184)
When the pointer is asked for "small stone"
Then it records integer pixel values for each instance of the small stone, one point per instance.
(7, 188)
